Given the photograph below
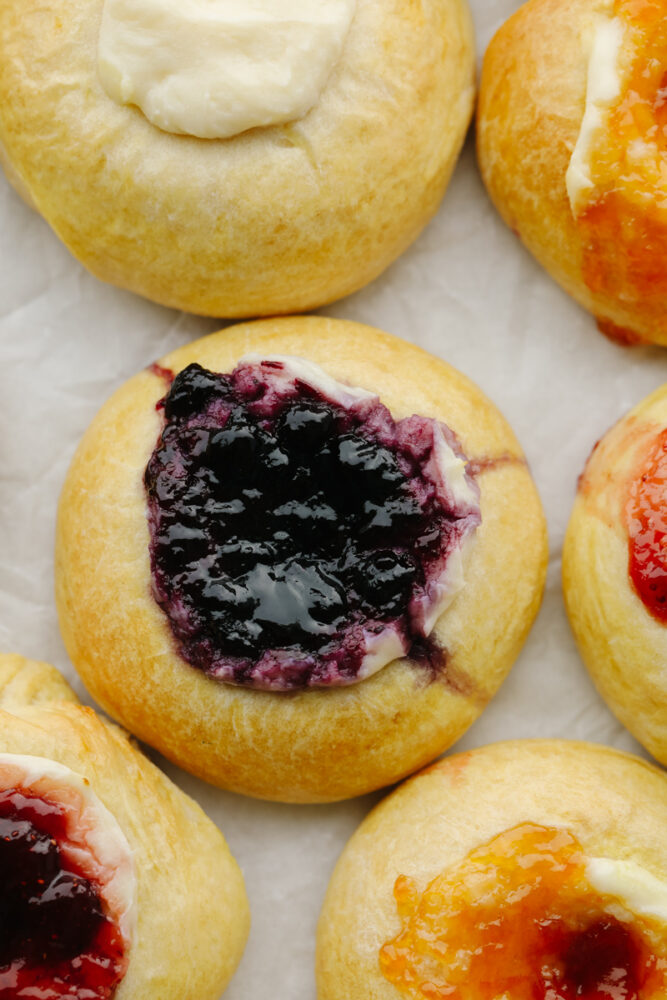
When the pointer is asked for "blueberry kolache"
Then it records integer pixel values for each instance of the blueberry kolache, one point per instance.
(615, 571)
(573, 152)
(555, 889)
(298, 556)
(92, 893)
(231, 164)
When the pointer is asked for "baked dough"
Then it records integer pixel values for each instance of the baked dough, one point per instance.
(533, 97)
(614, 804)
(313, 745)
(191, 908)
(275, 220)
(623, 644)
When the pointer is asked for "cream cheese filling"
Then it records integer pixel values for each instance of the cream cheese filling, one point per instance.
(638, 890)
(215, 68)
(603, 88)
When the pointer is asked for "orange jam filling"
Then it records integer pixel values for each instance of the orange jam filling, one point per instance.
(517, 919)
(646, 519)
(625, 229)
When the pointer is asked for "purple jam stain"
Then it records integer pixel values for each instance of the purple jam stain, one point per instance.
(164, 373)
(287, 531)
(54, 934)
(476, 466)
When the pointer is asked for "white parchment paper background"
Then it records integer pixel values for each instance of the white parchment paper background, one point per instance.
(466, 291)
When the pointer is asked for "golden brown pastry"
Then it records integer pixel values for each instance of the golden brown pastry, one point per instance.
(276, 219)
(114, 883)
(615, 574)
(528, 870)
(281, 580)
(572, 150)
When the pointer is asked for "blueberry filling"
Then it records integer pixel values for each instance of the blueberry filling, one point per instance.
(298, 535)
(54, 933)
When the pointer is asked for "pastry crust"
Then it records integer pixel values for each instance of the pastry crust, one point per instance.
(192, 911)
(313, 745)
(614, 804)
(531, 107)
(275, 220)
(622, 644)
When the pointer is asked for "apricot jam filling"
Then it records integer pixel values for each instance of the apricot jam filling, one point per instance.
(624, 221)
(61, 915)
(518, 919)
(646, 520)
(299, 536)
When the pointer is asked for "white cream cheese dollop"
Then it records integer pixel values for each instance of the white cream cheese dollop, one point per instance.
(215, 68)
(638, 890)
(603, 88)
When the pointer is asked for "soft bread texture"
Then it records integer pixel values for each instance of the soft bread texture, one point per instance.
(315, 745)
(531, 106)
(192, 911)
(622, 644)
(614, 804)
(275, 220)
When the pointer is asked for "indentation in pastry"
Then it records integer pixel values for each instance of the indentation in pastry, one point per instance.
(215, 68)
(299, 535)
(528, 915)
(68, 884)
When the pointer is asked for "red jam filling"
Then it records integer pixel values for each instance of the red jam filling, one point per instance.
(646, 519)
(56, 939)
(518, 919)
(290, 534)
(625, 230)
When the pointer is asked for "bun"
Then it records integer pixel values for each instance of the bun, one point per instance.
(436, 894)
(298, 745)
(189, 913)
(275, 220)
(554, 132)
(612, 571)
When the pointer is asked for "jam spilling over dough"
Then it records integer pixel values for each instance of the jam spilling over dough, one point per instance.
(56, 939)
(625, 228)
(518, 919)
(291, 536)
(646, 518)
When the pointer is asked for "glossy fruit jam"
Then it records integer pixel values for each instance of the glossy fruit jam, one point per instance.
(298, 534)
(56, 937)
(646, 520)
(518, 919)
(624, 229)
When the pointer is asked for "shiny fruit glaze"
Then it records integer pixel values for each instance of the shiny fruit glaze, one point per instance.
(624, 231)
(291, 535)
(56, 940)
(517, 920)
(646, 519)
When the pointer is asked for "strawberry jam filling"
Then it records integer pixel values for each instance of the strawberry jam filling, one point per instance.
(57, 938)
(646, 519)
(624, 228)
(299, 536)
(518, 918)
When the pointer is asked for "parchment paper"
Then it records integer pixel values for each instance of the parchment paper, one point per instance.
(466, 291)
